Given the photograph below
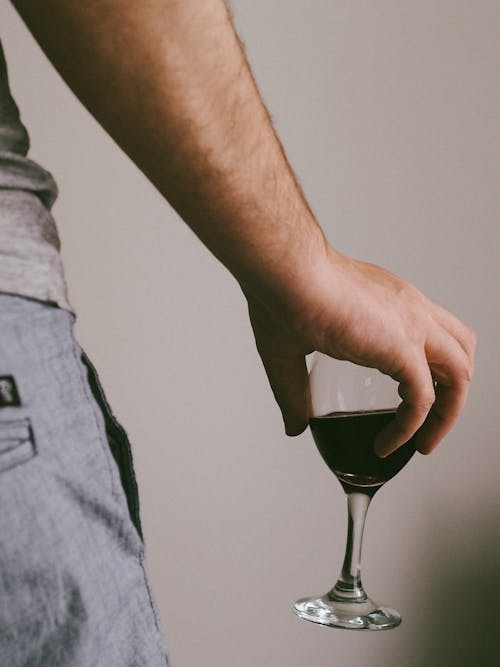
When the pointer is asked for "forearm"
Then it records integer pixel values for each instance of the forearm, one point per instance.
(170, 83)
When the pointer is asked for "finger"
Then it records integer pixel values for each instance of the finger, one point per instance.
(417, 391)
(449, 363)
(450, 367)
(289, 382)
(465, 336)
(442, 416)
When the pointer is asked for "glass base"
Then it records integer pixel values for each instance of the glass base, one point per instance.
(362, 615)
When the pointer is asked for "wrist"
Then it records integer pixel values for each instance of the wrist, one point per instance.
(286, 281)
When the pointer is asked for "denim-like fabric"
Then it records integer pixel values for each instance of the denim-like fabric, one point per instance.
(73, 588)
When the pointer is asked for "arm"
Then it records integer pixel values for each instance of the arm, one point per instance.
(170, 83)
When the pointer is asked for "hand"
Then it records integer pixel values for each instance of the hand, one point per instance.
(362, 313)
(204, 138)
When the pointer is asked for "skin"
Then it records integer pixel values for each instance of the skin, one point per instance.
(169, 81)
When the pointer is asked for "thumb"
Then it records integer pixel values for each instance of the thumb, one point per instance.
(289, 382)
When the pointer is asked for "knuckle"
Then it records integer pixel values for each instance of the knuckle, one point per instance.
(409, 290)
(463, 375)
(425, 406)
(425, 402)
(427, 399)
(469, 372)
(471, 339)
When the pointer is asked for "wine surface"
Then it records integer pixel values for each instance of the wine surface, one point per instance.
(345, 442)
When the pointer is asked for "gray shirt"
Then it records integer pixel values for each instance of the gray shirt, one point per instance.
(30, 262)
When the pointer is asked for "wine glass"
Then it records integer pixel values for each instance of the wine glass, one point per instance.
(351, 404)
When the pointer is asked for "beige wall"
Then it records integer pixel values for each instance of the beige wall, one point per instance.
(390, 112)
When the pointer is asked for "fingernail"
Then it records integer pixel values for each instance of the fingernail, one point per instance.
(381, 452)
(292, 431)
(294, 428)
(380, 449)
(422, 446)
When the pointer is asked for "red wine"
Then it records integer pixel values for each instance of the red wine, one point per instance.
(345, 442)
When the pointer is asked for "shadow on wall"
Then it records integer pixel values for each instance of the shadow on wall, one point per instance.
(461, 597)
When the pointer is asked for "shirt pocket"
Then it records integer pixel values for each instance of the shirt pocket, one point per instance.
(17, 443)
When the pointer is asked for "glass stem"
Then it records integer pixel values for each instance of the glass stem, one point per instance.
(349, 586)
